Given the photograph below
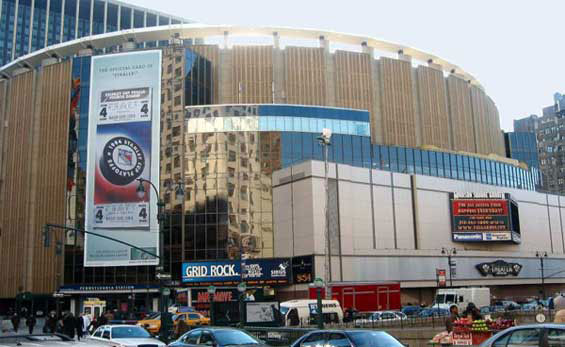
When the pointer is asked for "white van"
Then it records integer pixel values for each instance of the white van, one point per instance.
(303, 312)
(461, 297)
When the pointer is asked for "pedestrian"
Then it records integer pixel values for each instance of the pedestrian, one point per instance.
(30, 322)
(453, 316)
(15, 321)
(472, 312)
(85, 324)
(79, 323)
(69, 324)
(51, 323)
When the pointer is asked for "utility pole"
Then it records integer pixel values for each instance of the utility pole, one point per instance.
(449, 253)
(541, 256)
(324, 140)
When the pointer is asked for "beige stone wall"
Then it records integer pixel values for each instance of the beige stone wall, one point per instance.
(252, 74)
(460, 115)
(353, 77)
(304, 76)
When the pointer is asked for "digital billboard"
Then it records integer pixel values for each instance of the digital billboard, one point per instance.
(123, 145)
(484, 217)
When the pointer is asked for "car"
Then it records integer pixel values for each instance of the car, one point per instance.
(411, 310)
(47, 340)
(506, 305)
(529, 335)
(433, 312)
(151, 323)
(125, 336)
(217, 337)
(347, 338)
(531, 306)
(191, 319)
(381, 316)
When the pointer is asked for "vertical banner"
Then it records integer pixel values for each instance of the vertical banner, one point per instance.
(123, 145)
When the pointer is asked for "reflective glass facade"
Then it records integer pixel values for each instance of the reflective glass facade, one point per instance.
(24, 29)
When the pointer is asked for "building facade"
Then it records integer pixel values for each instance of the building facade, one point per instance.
(230, 117)
(522, 146)
(30, 25)
(527, 124)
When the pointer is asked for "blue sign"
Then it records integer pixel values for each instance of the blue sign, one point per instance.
(266, 271)
(211, 272)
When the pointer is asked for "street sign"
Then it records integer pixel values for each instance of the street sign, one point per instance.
(58, 295)
(163, 276)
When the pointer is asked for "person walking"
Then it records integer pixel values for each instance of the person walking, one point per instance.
(51, 323)
(15, 321)
(30, 322)
(79, 322)
(453, 316)
(69, 324)
(85, 324)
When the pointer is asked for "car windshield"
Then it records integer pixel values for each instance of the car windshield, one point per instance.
(129, 332)
(284, 310)
(445, 298)
(373, 339)
(234, 337)
(153, 316)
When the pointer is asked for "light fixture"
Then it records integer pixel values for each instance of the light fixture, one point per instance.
(140, 189)
(211, 290)
(242, 287)
(318, 282)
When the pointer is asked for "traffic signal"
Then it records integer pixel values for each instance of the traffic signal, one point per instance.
(46, 236)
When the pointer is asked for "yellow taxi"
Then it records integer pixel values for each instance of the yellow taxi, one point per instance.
(190, 319)
(151, 323)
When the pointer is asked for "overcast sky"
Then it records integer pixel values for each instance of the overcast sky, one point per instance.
(515, 48)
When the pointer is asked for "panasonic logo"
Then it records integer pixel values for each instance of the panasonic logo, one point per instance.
(198, 271)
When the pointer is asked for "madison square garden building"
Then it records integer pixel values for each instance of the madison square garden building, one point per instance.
(413, 136)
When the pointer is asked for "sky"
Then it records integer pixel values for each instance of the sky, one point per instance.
(514, 48)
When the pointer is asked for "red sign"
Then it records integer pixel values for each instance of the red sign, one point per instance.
(441, 277)
(480, 215)
(480, 207)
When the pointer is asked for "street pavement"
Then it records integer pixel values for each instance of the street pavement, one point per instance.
(7, 329)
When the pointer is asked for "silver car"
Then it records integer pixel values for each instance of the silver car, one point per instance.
(125, 336)
(529, 335)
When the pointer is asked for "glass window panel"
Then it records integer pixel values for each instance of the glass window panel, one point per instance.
(483, 171)
(393, 157)
(433, 163)
(138, 19)
(466, 171)
(318, 154)
(376, 160)
(366, 143)
(263, 124)
(425, 162)
(418, 161)
(125, 17)
(357, 151)
(401, 151)
(347, 150)
(460, 169)
(338, 151)
(385, 163)
(440, 164)
(409, 160)
(296, 124)
(343, 126)
(308, 146)
(453, 164)
(314, 126)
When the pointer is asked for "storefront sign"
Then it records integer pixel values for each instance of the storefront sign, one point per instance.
(499, 268)
(303, 269)
(123, 146)
(107, 288)
(211, 273)
(484, 217)
(266, 271)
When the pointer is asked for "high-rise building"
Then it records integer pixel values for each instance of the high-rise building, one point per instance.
(527, 124)
(29, 25)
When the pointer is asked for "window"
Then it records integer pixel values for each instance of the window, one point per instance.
(525, 337)
(191, 338)
(98, 332)
(106, 334)
(313, 340)
(338, 340)
(555, 337)
(206, 339)
(373, 339)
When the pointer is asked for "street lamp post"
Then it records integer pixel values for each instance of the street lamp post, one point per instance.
(449, 253)
(211, 292)
(541, 256)
(241, 288)
(324, 140)
(319, 284)
(164, 316)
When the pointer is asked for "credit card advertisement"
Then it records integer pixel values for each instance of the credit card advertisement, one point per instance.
(123, 147)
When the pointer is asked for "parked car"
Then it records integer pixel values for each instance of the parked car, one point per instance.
(380, 316)
(219, 337)
(125, 336)
(529, 335)
(411, 310)
(506, 305)
(47, 340)
(151, 323)
(433, 312)
(345, 338)
(531, 306)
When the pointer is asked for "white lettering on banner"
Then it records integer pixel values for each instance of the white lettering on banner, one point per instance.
(199, 271)
(253, 271)
(486, 195)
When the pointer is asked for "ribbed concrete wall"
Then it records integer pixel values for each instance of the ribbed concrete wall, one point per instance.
(410, 106)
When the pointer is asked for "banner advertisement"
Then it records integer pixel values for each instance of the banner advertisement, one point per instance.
(266, 271)
(123, 145)
(441, 277)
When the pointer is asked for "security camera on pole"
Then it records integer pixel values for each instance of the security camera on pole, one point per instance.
(324, 140)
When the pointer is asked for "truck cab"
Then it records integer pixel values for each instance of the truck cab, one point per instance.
(461, 297)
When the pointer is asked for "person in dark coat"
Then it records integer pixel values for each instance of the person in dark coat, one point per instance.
(51, 323)
(15, 321)
(69, 325)
(30, 322)
(79, 323)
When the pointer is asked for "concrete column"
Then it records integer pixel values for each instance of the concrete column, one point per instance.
(119, 17)
(329, 72)
(48, 8)
(278, 71)
(62, 20)
(76, 18)
(105, 16)
(91, 17)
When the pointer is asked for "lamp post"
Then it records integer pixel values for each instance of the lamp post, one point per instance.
(324, 140)
(211, 291)
(165, 317)
(449, 252)
(541, 256)
(319, 284)
(241, 288)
